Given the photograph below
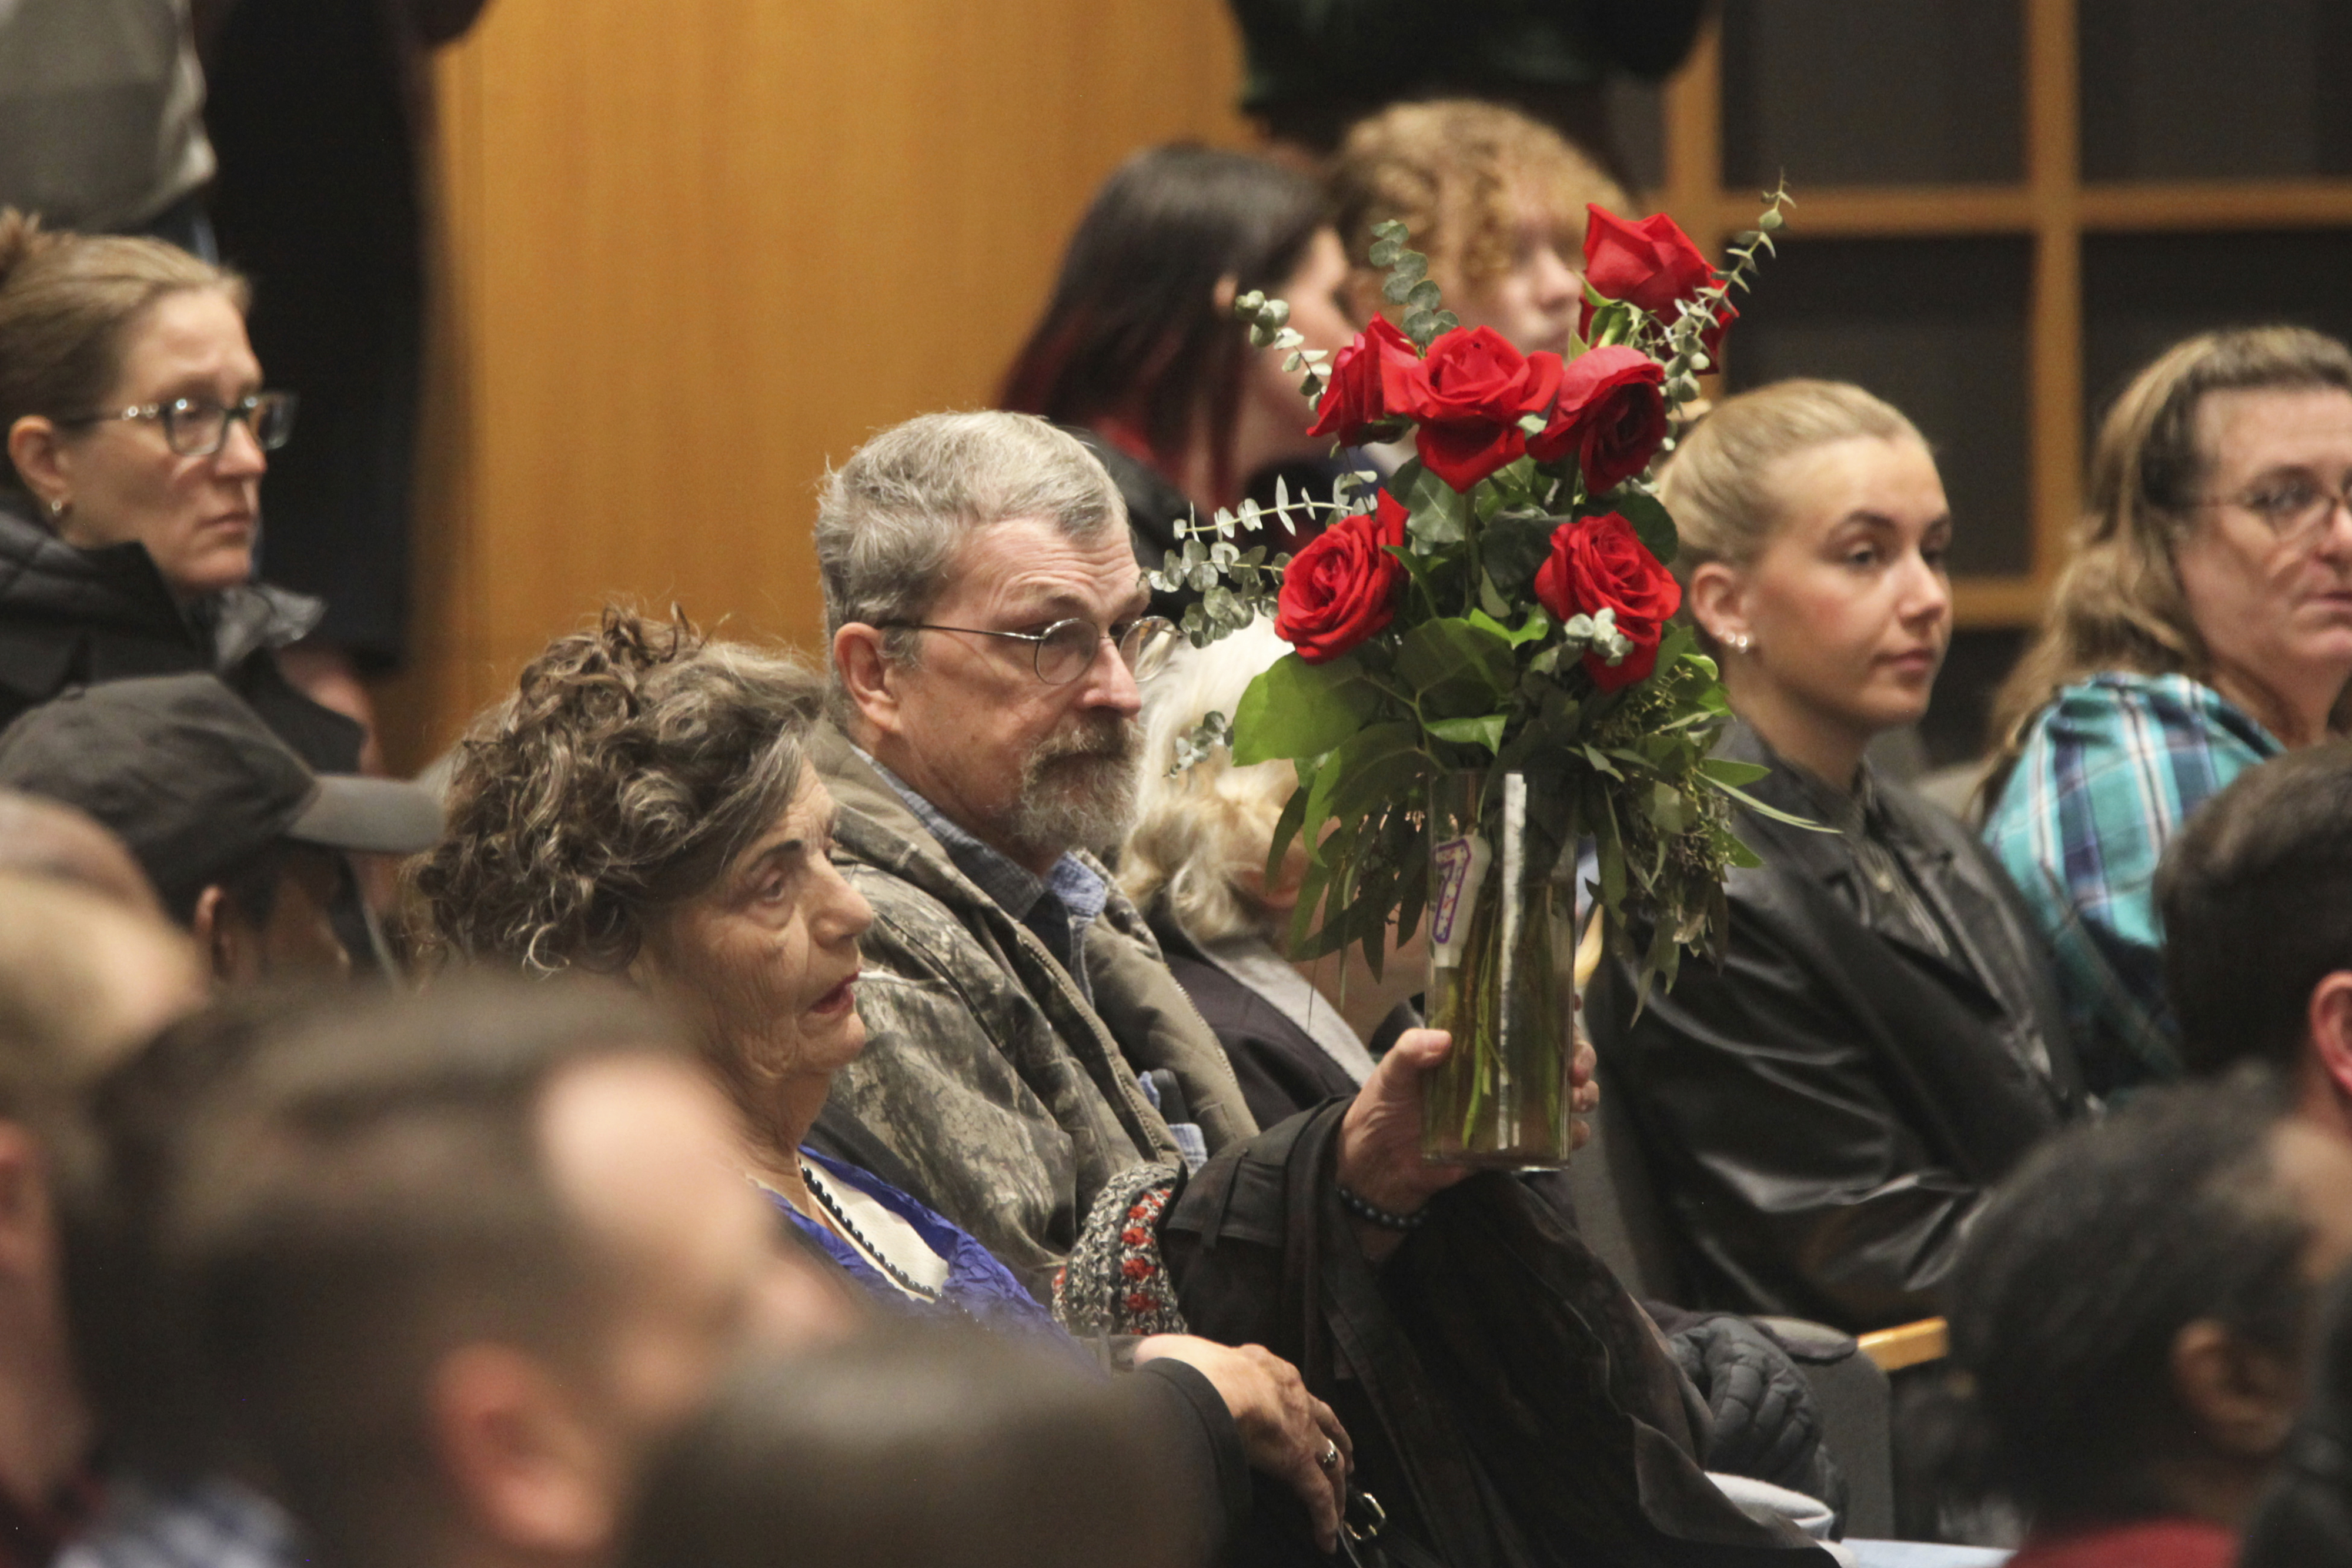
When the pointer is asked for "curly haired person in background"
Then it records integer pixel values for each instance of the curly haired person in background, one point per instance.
(1494, 200)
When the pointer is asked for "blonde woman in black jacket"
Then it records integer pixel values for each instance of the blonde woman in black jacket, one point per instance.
(1825, 1112)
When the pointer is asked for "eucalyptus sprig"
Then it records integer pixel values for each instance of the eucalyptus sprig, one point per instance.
(1409, 285)
(1269, 327)
(1686, 358)
(1239, 583)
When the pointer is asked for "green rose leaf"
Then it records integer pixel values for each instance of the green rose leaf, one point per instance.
(1440, 513)
(1652, 524)
(1491, 602)
(1725, 770)
(1297, 709)
(1487, 731)
(1456, 667)
(1287, 826)
(1534, 626)
(1667, 811)
(1612, 322)
(1375, 763)
(1513, 546)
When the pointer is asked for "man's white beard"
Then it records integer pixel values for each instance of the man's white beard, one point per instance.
(1078, 788)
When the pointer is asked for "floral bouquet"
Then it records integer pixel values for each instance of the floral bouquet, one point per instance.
(1484, 670)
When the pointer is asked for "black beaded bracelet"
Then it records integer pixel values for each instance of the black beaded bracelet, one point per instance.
(1373, 1213)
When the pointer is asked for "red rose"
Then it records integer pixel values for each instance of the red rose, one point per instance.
(1341, 588)
(1596, 564)
(1611, 415)
(1649, 265)
(1469, 396)
(1352, 400)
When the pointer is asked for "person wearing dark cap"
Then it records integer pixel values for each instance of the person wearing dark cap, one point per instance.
(242, 840)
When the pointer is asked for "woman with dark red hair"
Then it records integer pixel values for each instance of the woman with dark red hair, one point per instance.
(1140, 354)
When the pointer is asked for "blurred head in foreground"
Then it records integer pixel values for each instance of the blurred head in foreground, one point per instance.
(47, 837)
(2256, 895)
(451, 1264)
(933, 1449)
(2134, 1307)
(244, 841)
(81, 979)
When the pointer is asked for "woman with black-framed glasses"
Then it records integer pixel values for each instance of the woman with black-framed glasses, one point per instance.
(136, 427)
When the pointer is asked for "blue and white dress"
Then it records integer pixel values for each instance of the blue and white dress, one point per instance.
(909, 1257)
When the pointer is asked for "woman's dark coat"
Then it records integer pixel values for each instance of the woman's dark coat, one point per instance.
(80, 617)
(1825, 1114)
(1281, 1069)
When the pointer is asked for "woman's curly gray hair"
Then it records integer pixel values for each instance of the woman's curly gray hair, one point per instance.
(632, 765)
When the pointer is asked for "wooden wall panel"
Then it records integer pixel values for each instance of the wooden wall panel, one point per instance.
(696, 251)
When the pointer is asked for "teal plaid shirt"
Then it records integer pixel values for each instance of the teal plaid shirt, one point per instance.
(2110, 770)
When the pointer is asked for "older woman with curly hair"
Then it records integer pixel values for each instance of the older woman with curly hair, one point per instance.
(643, 806)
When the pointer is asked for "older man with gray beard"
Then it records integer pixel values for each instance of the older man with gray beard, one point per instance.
(1029, 1045)
(988, 623)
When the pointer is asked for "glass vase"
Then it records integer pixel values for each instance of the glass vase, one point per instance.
(1502, 930)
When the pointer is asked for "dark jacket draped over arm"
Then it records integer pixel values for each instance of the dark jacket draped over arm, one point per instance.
(1510, 1403)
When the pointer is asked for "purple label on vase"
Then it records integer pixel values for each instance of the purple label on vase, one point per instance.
(1458, 863)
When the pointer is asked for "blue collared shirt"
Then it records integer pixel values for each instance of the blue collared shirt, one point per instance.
(1058, 908)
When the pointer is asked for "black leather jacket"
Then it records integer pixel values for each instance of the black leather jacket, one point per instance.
(80, 617)
(1825, 1114)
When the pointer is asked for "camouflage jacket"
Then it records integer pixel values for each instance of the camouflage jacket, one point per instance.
(1008, 1100)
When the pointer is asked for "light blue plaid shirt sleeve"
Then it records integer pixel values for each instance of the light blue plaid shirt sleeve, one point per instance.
(2109, 771)
(212, 1523)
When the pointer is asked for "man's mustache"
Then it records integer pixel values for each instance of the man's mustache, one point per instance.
(1113, 740)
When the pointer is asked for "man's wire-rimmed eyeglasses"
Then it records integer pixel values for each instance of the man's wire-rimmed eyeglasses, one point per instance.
(1066, 650)
(198, 428)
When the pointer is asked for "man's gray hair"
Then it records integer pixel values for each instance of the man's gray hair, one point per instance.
(893, 516)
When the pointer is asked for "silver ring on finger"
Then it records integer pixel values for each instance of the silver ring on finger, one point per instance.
(1329, 1458)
